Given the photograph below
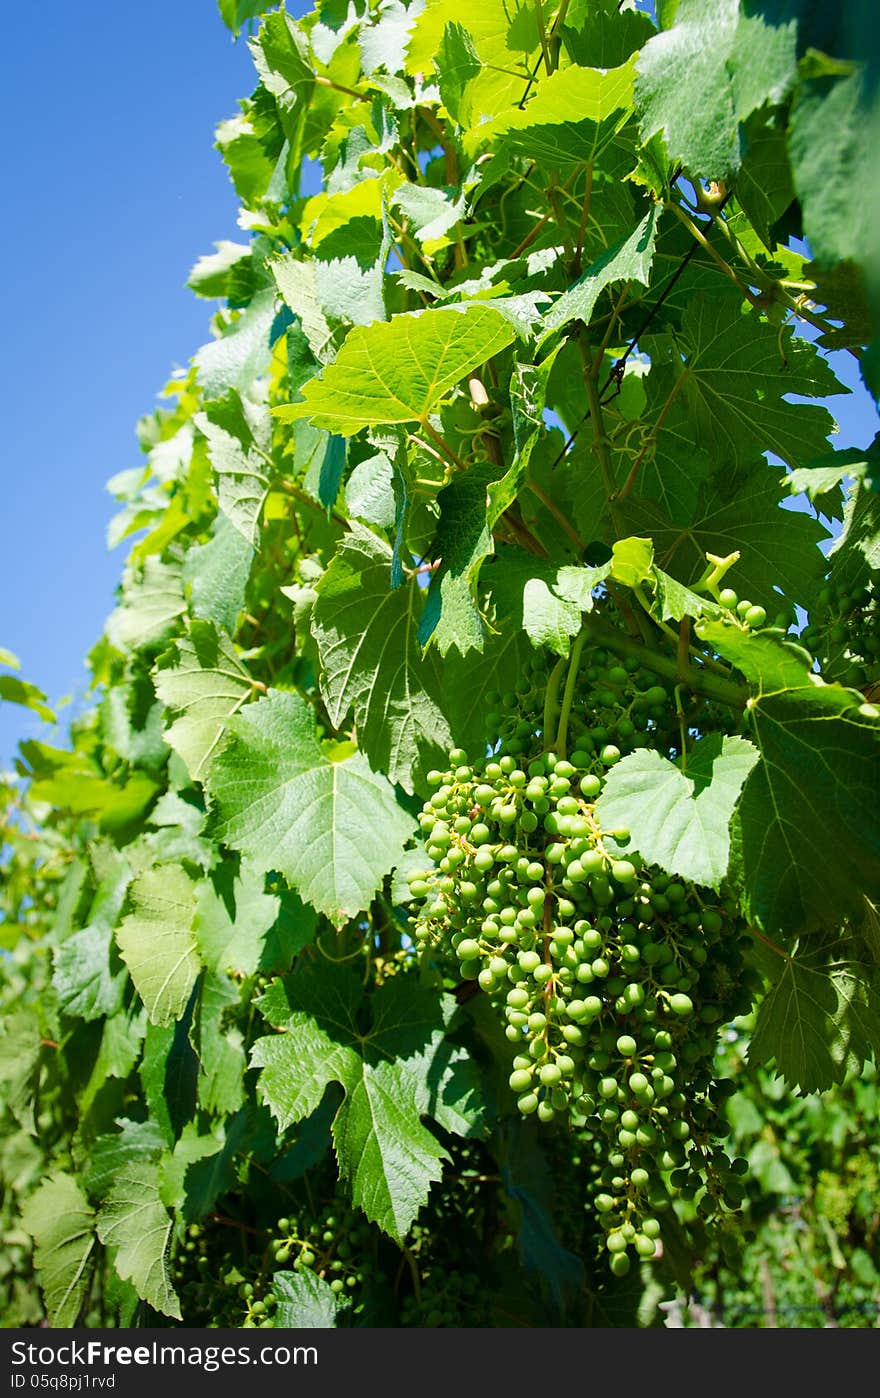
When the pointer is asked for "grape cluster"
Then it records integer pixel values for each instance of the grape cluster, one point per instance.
(612, 978)
(844, 634)
(335, 1244)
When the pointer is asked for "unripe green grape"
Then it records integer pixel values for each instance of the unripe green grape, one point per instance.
(681, 1004)
(520, 1080)
(468, 949)
(550, 1074)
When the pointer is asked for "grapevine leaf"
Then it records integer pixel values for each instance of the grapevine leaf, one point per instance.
(191, 1150)
(238, 433)
(217, 574)
(457, 62)
(305, 1301)
(399, 370)
(134, 1223)
(202, 678)
(834, 121)
(222, 1060)
(392, 1074)
(215, 273)
(628, 260)
(169, 1072)
(136, 1142)
(820, 1018)
(572, 118)
(117, 1055)
(242, 353)
(744, 519)
(234, 916)
(371, 662)
(676, 821)
(61, 1223)
(807, 830)
(156, 941)
(698, 81)
(152, 600)
(20, 1066)
(88, 977)
(452, 616)
(738, 373)
(330, 826)
(770, 663)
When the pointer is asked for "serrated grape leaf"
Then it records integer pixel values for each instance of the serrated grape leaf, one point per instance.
(675, 463)
(628, 260)
(528, 397)
(20, 1065)
(134, 1223)
(822, 476)
(457, 62)
(71, 781)
(89, 978)
(118, 1052)
(221, 1054)
(169, 1071)
(152, 600)
(61, 1222)
(452, 616)
(332, 829)
(399, 370)
(234, 916)
(202, 679)
(820, 1019)
(699, 80)
(806, 836)
(238, 432)
(632, 561)
(534, 601)
(675, 601)
(305, 1301)
(157, 943)
(372, 665)
(770, 663)
(192, 1148)
(763, 186)
(738, 372)
(297, 281)
(738, 516)
(242, 353)
(109, 1155)
(571, 118)
(431, 212)
(675, 821)
(217, 574)
(832, 134)
(369, 492)
(214, 273)
(392, 1074)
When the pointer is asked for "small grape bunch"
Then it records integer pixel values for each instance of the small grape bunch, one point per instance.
(612, 979)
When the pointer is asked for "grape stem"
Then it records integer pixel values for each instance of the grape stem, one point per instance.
(568, 693)
(551, 694)
(710, 686)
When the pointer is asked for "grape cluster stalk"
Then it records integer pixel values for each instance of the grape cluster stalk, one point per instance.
(612, 977)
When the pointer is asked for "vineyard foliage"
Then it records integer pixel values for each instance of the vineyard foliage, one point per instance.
(457, 905)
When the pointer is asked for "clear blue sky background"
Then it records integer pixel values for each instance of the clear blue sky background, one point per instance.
(112, 191)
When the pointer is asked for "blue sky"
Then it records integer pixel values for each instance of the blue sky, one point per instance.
(113, 190)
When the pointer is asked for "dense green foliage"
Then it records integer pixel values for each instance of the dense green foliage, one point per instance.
(458, 905)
